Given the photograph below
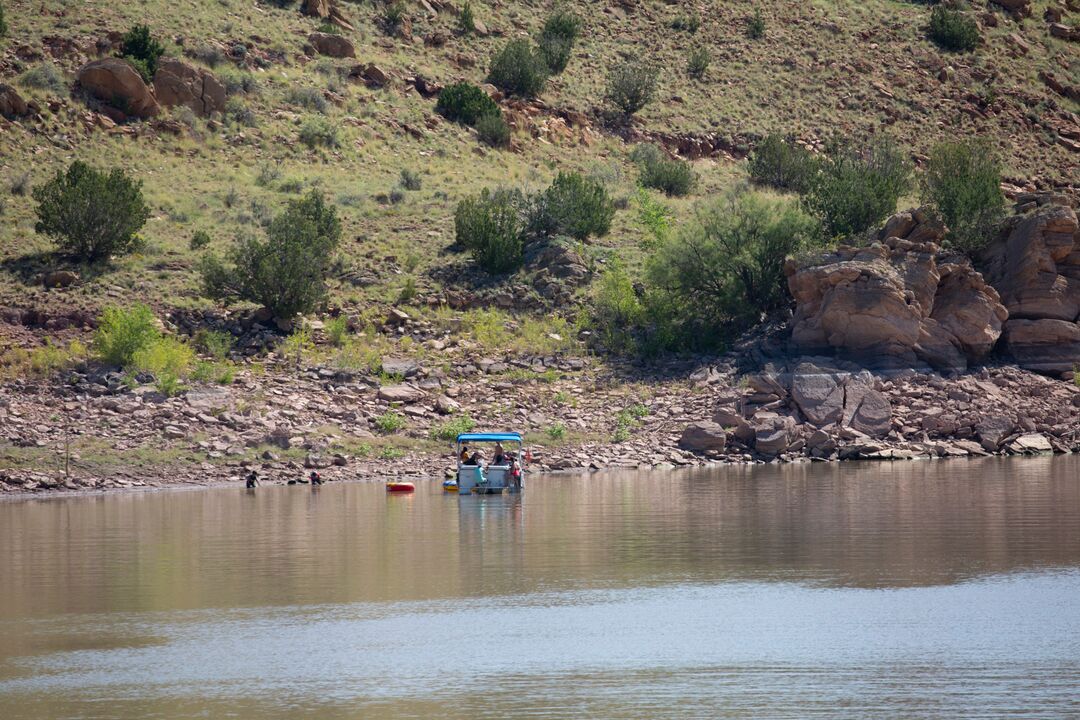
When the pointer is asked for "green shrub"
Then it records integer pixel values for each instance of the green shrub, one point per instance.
(493, 130)
(140, 47)
(963, 180)
(336, 330)
(168, 359)
(3, 22)
(631, 85)
(655, 217)
(857, 188)
(672, 176)
(490, 227)
(556, 431)
(467, 19)
(123, 332)
(45, 76)
(410, 180)
(573, 205)
(199, 240)
(557, 39)
(214, 343)
(394, 14)
(686, 23)
(90, 213)
(286, 272)
(727, 268)
(517, 70)
(778, 163)
(318, 131)
(755, 26)
(697, 63)
(450, 429)
(615, 311)
(953, 30)
(308, 97)
(389, 422)
(465, 103)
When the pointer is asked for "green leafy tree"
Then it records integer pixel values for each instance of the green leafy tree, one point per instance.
(557, 39)
(777, 163)
(465, 103)
(517, 70)
(90, 213)
(963, 180)
(140, 47)
(953, 30)
(855, 188)
(124, 332)
(285, 272)
(491, 228)
(631, 85)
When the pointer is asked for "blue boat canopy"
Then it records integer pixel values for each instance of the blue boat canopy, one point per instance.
(489, 437)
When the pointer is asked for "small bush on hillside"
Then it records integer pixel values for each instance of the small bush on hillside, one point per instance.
(286, 273)
(123, 332)
(727, 268)
(45, 76)
(686, 23)
(490, 227)
(410, 180)
(337, 330)
(631, 85)
(450, 429)
(777, 163)
(140, 47)
(465, 103)
(3, 23)
(697, 63)
(556, 43)
(573, 205)
(214, 343)
(389, 422)
(90, 213)
(755, 26)
(963, 180)
(493, 130)
(856, 188)
(670, 175)
(168, 360)
(199, 240)
(953, 30)
(307, 97)
(517, 70)
(319, 132)
(394, 14)
(467, 19)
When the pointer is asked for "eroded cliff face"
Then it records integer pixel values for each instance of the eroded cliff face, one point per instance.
(900, 302)
(903, 301)
(1037, 271)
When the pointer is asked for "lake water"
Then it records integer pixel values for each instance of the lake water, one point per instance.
(917, 589)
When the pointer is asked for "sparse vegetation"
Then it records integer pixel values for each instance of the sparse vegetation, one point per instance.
(781, 164)
(687, 23)
(390, 422)
(90, 213)
(963, 181)
(518, 70)
(450, 429)
(199, 240)
(467, 19)
(319, 132)
(631, 85)
(45, 76)
(953, 30)
(755, 26)
(697, 62)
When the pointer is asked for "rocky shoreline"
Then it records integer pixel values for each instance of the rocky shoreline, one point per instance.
(580, 415)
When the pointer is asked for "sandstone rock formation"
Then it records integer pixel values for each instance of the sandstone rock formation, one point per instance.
(332, 45)
(116, 82)
(703, 436)
(1037, 271)
(177, 83)
(896, 302)
(327, 10)
(11, 103)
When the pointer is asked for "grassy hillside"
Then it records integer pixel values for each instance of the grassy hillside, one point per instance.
(824, 66)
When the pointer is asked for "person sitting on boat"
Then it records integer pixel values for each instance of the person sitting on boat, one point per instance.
(501, 458)
(464, 458)
(478, 460)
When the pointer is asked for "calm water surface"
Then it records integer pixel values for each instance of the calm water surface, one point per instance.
(920, 589)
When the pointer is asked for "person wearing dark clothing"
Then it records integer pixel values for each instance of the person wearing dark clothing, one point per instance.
(316, 478)
(252, 480)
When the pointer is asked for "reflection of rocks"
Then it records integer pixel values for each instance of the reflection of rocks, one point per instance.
(896, 302)
(1037, 271)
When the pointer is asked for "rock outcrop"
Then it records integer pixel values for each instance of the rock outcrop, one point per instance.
(177, 83)
(332, 45)
(327, 10)
(115, 82)
(897, 302)
(12, 104)
(1037, 271)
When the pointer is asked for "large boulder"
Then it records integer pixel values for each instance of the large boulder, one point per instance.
(177, 83)
(826, 395)
(1019, 8)
(11, 103)
(332, 45)
(1037, 271)
(116, 82)
(703, 436)
(401, 393)
(896, 302)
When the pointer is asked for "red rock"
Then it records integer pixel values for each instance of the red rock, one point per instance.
(115, 81)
